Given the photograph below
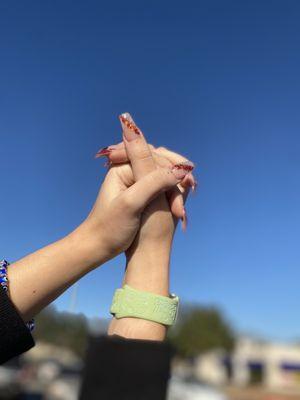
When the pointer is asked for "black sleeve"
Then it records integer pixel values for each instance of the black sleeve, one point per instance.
(15, 337)
(126, 369)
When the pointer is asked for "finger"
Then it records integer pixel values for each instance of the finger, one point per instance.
(138, 151)
(170, 155)
(189, 181)
(105, 151)
(117, 155)
(175, 197)
(175, 200)
(114, 154)
(139, 195)
(122, 157)
(175, 158)
(163, 157)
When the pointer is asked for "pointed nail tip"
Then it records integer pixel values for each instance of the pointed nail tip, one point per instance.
(98, 155)
(103, 152)
(184, 221)
(127, 116)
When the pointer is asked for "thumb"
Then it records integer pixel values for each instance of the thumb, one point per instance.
(139, 195)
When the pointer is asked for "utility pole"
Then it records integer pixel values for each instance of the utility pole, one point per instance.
(73, 300)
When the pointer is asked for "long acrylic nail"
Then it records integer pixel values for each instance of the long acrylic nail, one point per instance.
(105, 151)
(130, 130)
(182, 169)
(184, 219)
(194, 186)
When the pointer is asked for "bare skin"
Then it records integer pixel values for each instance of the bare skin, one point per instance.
(148, 258)
(124, 205)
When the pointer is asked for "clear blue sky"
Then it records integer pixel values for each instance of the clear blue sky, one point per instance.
(217, 81)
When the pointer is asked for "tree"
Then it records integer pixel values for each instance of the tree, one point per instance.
(62, 329)
(201, 329)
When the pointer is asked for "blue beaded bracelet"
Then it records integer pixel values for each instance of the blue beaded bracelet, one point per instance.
(4, 283)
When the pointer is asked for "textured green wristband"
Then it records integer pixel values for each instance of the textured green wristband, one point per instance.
(129, 302)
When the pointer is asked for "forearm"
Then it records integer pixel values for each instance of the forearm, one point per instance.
(39, 278)
(147, 270)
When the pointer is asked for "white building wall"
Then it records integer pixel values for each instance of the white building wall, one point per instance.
(209, 367)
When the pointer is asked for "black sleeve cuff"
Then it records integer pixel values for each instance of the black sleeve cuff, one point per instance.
(126, 369)
(15, 337)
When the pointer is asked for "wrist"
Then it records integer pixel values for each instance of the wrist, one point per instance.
(138, 314)
(88, 245)
(135, 328)
(148, 269)
(149, 253)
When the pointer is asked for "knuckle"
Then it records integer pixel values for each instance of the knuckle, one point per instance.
(143, 154)
(163, 175)
(161, 148)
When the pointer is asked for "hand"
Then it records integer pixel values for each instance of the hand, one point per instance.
(148, 157)
(148, 256)
(116, 154)
(116, 216)
(40, 277)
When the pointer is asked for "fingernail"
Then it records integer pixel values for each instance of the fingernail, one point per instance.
(108, 164)
(194, 186)
(105, 151)
(184, 220)
(130, 130)
(182, 169)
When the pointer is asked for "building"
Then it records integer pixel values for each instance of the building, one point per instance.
(276, 366)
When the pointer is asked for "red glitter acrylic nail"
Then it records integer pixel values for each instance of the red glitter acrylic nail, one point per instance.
(128, 122)
(187, 166)
(182, 169)
(105, 151)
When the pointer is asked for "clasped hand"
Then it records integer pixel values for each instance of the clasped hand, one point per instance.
(144, 191)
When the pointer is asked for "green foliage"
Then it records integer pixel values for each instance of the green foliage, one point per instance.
(63, 329)
(201, 329)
